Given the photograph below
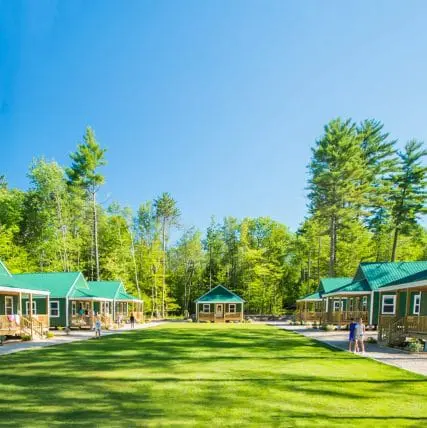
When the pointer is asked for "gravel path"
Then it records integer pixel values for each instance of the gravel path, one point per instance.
(60, 338)
(416, 363)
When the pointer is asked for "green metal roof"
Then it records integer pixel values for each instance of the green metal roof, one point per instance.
(312, 296)
(353, 287)
(220, 294)
(387, 273)
(106, 289)
(122, 295)
(58, 283)
(327, 285)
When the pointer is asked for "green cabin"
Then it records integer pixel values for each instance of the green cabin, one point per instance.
(311, 308)
(361, 298)
(15, 318)
(219, 305)
(61, 285)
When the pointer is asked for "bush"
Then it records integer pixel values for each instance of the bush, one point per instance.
(60, 328)
(50, 334)
(189, 320)
(370, 339)
(328, 327)
(26, 337)
(414, 347)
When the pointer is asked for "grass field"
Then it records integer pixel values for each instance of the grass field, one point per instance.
(206, 375)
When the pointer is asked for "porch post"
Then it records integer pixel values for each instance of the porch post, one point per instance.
(339, 312)
(48, 311)
(31, 313)
(20, 304)
(93, 313)
(371, 312)
(305, 310)
(241, 315)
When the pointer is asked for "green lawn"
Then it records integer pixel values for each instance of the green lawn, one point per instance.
(206, 375)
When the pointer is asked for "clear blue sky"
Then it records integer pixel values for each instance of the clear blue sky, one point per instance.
(217, 102)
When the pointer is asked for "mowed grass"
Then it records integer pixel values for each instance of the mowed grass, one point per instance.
(206, 375)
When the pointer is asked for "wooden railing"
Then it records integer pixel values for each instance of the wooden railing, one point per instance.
(309, 316)
(212, 316)
(82, 321)
(8, 326)
(32, 327)
(416, 324)
(344, 317)
(392, 328)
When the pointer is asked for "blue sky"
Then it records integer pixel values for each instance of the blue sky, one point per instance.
(217, 102)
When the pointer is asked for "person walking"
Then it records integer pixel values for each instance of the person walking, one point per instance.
(132, 320)
(352, 342)
(360, 335)
(97, 327)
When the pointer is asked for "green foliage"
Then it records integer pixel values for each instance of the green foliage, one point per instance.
(365, 203)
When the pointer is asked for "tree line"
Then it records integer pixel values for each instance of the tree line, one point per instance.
(365, 196)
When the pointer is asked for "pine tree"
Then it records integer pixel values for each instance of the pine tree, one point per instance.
(337, 180)
(168, 215)
(380, 157)
(83, 172)
(409, 194)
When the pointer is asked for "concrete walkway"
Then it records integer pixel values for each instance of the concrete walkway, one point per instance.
(416, 363)
(61, 337)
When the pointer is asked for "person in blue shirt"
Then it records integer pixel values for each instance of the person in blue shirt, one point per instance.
(352, 336)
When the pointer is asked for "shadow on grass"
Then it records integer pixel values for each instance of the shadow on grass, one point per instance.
(167, 376)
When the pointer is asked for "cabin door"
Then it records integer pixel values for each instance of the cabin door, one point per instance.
(219, 311)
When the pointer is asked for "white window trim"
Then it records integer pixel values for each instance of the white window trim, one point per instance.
(364, 303)
(340, 309)
(417, 297)
(73, 308)
(234, 308)
(388, 296)
(27, 307)
(208, 306)
(8, 298)
(58, 307)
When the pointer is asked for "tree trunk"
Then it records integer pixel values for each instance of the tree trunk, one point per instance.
(63, 232)
(395, 239)
(164, 269)
(95, 234)
(135, 265)
(333, 246)
(318, 262)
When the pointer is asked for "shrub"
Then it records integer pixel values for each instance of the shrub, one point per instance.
(371, 339)
(26, 337)
(414, 347)
(329, 327)
(50, 334)
(60, 328)
(189, 320)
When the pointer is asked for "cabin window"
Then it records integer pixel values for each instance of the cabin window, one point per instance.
(338, 306)
(364, 303)
(232, 308)
(350, 305)
(73, 308)
(417, 304)
(27, 308)
(206, 307)
(388, 305)
(8, 305)
(54, 308)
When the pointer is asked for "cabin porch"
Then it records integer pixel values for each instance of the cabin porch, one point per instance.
(16, 318)
(219, 312)
(403, 312)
